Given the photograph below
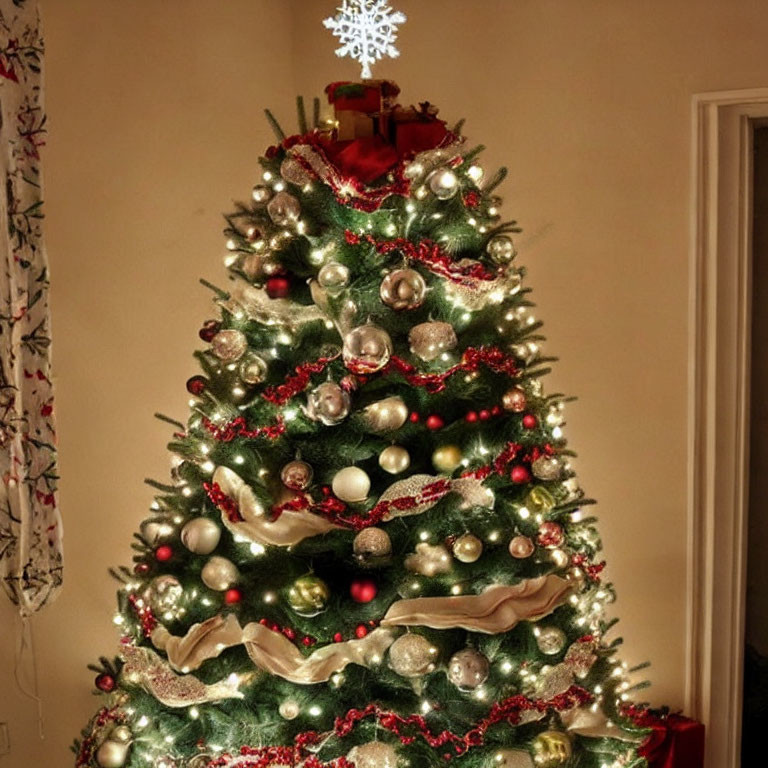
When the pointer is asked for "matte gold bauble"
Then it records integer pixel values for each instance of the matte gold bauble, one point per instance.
(309, 595)
(394, 459)
(551, 749)
(446, 458)
(403, 289)
(371, 544)
(514, 400)
(296, 475)
(468, 669)
(385, 415)
(351, 484)
(113, 751)
(412, 655)
(467, 548)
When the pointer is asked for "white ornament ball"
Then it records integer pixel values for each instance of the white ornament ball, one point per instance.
(468, 669)
(201, 535)
(333, 276)
(394, 459)
(372, 544)
(283, 209)
(164, 593)
(328, 404)
(374, 754)
(289, 709)
(385, 415)
(366, 349)
(429, 340)
(551, 640)
(351, 484)
(467, 548)
(219, 574)
(412, 655)
(501, 249)
(229, 345)
(444, 183)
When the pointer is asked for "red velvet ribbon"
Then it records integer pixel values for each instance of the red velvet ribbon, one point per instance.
(675, 741)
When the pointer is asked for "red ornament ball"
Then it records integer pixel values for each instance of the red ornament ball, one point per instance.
(307, 641)
(361, 631)
(141, 569)
(196, 385)
(363, 590)
(551, 534)
(105, 682)
(338, 637)
(520, 474)
(278, 287)
(530, 421)
(485, 414)
(233, 596)
(289, 633)
(413, 417)
(209, 330)
(471, 417)
(163, 554)
(434, 422)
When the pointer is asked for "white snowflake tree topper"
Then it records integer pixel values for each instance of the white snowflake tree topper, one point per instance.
(367, 30)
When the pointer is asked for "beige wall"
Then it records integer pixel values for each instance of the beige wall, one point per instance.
(155, 115)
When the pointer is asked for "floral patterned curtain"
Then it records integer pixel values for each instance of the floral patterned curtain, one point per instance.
(30, 523)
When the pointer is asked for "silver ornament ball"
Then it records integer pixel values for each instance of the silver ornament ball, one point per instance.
(366, 349)
(403, 289)
(333, 276)
(467, 548)
(283, 209)
(253, 370)
(394, 459)
(546, 468)
(229, 345)
(429, 340)
(328, 404)
(551, 640)
(351, 484)
(374, 754)
(296, 475)
(444, 183)
(201, 535)
(412, 655)
(164, 593)
(468, 669)
(501, 249)
(219, 574)
(372, 544)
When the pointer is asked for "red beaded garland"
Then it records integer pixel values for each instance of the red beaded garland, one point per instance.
(361, 631)
(434, 422)
(414, 417)
(278, 287)
(471, 417)
(163, 553)
(363, 590)
(338, 637)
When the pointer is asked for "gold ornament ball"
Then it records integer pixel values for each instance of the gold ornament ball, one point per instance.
(333, 276)
(385, 415)
(351, 484)
(309, 596)
(283, 209)
(329, 404)
(201, 535)
(551, 749)
(467, 548)
(296, 475)
(412, 655)
(444, 183)
(372, 544)
(121, 733)
(394, 459)
(429, 340)
(539, 500)
(446, 458)
(366, 349)
(229, 345)
(512, 758)
(253, 370)
(501, 249)
(374, 754)
(551, 640)
(112, 753)
(403, 289)
(467, 669)
(219, 574)
(514, 400)
(289, 709)
(521, 547)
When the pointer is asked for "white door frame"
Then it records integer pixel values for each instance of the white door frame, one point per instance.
(718, 417)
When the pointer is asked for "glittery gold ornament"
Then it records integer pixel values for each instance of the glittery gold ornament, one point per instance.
(229, 345)
(351, 484)
(539, 500)
(328, 403)
(444, 183)
(366, 349)
(394, 459)
(403, 289)
(546, 468)
(429, 340)
(374, 754)
(501, 249)
(309, 595)
(551, 749)
(521, 547)
(511, 758)
(164, 593)
(219, 573)
(371, 545)
(296, 475)
(412, 655)
(551, 640)
(253, 370)
(333, 276)
(385, 415)
(283, 209)
(446, 458)
(467, 548)
(468, 669)
(514, 400)
(201, 535)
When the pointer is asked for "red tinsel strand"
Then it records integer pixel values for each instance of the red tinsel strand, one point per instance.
(223, 502)
(144, 614)
(87, 747)
(265, 757)
(593, 570)
(295, 383)
(510, 453)
(238, 428)
(430, 254)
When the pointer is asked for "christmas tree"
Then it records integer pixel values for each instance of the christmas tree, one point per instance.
(373, 551)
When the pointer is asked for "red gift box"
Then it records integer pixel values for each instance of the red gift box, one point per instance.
(415, 130)
(371, 96)
(675, 741)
